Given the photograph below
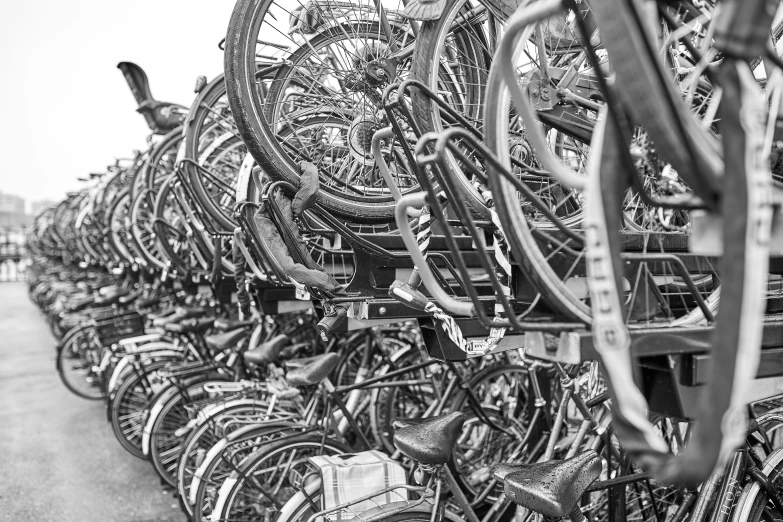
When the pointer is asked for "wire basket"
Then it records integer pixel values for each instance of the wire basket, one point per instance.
(111, 330)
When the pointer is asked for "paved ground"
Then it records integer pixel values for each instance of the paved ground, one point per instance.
(59, 460)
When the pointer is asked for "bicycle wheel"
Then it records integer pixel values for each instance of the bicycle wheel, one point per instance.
(118, 232)
(452, 58)
(679, 136)
(222, 459)
(127, 407)
(213, 153)
(136, 178)
(265, 478)
(403, 402)
(176, 230)
(754, 502)
(343, 60)
(303, 505)
(550, 256)
(501, 391)
(77, 362)
(644, 501)
(162, 160)
(181, 233)
(200, 440)
(142, 232)
(165, 433)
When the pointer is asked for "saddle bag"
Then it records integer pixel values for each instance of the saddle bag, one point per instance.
(349, 477)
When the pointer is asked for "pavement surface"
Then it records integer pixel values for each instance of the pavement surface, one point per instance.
(59, 459)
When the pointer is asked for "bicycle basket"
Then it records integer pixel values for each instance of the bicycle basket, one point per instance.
(112, 330)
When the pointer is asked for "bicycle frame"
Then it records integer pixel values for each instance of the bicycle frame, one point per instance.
(616, 486)
(718, 495)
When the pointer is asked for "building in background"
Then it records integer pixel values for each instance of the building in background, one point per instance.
(13, 217)
(15, 222)
(37, 206)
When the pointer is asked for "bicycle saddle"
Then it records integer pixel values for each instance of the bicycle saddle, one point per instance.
(190, 325)
(299, 362)
(160, 118)
(225, 325)
(551, 488)
(267, 352)
(223, 341)
(430, 440)
(315, 372)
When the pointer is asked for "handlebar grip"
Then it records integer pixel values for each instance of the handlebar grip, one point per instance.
(328, 325)
(408, 295)
(309, 186)
(201, 82)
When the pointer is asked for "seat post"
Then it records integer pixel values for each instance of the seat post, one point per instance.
(459, 495)
(347, 415)
(576, 515)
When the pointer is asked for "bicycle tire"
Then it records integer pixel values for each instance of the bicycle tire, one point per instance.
(300, 507)
(162, 159)
(386, 408)
(201, 437)
(523, 244)
(241, 72)
(168, 224)
(124, 404)
(65, 354)
(231, 496)
(753, 501)
(469, 466)
(163, 432)
(648, 95)
(216, 469)
(196, 125)
(118, 238)
(144, 242)
(430, 44)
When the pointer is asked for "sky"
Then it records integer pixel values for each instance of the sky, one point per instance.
(66, 108)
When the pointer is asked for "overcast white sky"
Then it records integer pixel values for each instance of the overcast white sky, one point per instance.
(65, 107)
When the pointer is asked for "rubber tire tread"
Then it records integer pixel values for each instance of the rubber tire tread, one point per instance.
(240, 71)
(425, 65)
